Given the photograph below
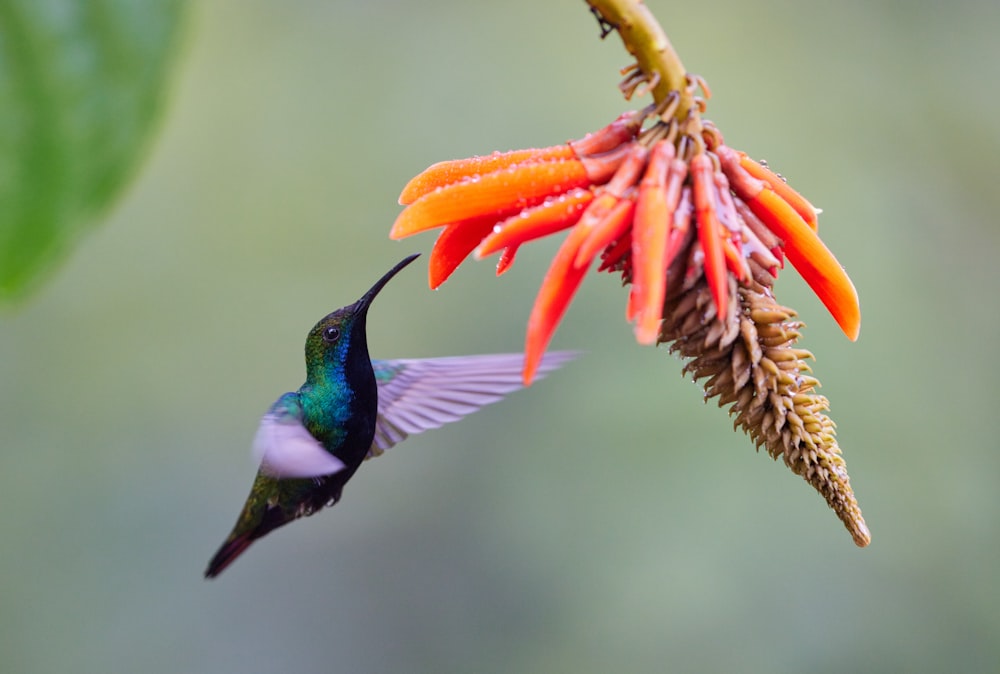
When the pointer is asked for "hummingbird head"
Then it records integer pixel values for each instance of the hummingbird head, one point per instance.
(339, 339)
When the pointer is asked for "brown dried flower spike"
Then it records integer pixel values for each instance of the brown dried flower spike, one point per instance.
(697, 228)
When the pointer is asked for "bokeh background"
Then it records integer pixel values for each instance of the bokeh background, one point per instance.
(603, 520)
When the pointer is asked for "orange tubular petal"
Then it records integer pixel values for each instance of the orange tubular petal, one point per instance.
(453, 245)
(448, 172)
(512, 187)
(682, 226)
(550, 216)
(794, 199)
(560, 284)
(709, 233)
(614, 224)
(506, 259)
(651, 231)
(748, 189)
(812, 259)
(715, 265)
(649, 275)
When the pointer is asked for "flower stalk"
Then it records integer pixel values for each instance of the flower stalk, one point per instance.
(644, 39)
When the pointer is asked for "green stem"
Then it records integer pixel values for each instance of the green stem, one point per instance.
(645, 40)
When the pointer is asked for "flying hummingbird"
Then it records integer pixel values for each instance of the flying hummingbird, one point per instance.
(352, 408)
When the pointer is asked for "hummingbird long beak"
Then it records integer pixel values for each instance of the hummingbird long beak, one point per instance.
(362, 305)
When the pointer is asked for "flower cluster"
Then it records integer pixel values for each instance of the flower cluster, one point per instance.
(699, 230)
(654, 203)
(696, 228)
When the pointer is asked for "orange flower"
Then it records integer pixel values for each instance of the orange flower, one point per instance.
(630, 195)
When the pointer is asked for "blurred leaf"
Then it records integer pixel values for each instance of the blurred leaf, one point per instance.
(81, 85)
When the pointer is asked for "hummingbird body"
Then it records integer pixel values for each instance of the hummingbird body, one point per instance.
(312, 441)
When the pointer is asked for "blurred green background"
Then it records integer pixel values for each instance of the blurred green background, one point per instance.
(603, 520)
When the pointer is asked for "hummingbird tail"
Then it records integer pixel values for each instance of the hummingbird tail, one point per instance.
(228, 553)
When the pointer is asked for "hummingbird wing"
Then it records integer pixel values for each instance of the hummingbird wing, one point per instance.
(421, 393)
(286, 448)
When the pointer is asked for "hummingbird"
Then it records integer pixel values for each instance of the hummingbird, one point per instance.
(351, 408)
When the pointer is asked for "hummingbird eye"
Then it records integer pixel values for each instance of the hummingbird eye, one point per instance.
(331, 334)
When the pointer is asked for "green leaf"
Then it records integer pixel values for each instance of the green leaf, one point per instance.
(81, 85)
